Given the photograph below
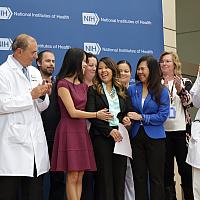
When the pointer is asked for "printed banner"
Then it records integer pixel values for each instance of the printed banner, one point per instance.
(121, 29)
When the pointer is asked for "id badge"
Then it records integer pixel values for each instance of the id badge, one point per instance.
(172, 112)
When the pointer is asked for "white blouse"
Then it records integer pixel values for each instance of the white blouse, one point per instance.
(178, 123)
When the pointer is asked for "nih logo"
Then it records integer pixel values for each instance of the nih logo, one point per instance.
(5, 13)
(5, 44)
(92, 48)
(90, 18)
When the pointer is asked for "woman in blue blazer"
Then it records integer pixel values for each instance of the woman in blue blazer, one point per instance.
(150, 102)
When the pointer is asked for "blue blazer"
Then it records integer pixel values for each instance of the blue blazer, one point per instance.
(154, 115)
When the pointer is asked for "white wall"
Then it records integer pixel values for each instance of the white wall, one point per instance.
(169, 25)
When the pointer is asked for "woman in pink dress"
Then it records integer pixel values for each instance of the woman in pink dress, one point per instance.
(72, 150)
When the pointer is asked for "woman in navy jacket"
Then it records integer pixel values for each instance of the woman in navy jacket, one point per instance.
(150, 102)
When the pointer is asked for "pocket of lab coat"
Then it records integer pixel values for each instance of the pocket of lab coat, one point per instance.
(18, 133)
(195, 130)
(193, 157)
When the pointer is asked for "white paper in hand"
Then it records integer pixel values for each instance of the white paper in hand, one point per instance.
(123, 147)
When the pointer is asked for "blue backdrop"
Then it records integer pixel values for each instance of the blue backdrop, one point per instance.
(121, 29)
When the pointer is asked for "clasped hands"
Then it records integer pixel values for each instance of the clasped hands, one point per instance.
(177, 83)
(105, 115)
(131, 116)
(41, 89)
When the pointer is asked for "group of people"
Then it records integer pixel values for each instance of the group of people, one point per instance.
(74, 119)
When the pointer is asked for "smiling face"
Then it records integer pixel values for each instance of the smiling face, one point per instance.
(105, 73)
(143, 72)
(167, 65)
(125, 73)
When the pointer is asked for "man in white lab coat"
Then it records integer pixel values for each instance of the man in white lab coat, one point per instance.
(193, 157)
(23, 148)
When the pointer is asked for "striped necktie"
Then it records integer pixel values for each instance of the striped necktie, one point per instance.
(25, 71)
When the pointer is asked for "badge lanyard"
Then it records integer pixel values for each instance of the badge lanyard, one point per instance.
(171, 94)
(172, 113)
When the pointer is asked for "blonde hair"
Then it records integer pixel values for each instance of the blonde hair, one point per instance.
(175, 59)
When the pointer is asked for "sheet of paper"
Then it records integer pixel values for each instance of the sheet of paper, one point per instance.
(123, 147)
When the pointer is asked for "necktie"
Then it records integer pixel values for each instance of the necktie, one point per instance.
(25, 71)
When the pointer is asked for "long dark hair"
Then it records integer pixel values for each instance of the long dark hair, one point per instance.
(111, 64)
(72, 64)
(154, 80)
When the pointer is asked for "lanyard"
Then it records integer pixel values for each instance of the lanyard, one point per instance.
(171, 93)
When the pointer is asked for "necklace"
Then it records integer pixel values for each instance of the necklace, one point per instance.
(112, 93)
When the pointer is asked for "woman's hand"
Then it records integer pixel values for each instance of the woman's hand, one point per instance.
(134, 116)
(126, 121)
(116, 135)
(104, 115)
(177, 82)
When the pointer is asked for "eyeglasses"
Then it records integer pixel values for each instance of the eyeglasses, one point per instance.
(165, 61)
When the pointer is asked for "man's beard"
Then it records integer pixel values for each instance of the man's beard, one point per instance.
(47, 73)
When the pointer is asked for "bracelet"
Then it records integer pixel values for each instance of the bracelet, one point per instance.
(96, 114)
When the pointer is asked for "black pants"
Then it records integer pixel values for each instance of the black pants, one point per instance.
(57, 180)
(176, 147)
(88, 186)
(148, 166)
(28, 187)
(111, 170)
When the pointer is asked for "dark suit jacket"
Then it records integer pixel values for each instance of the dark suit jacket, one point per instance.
(96, 102)
(51, 116)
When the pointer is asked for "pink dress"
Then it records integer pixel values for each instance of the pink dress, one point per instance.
(72, 149)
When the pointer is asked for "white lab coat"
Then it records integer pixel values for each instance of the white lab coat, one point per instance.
(193, 157)
(22, 137)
